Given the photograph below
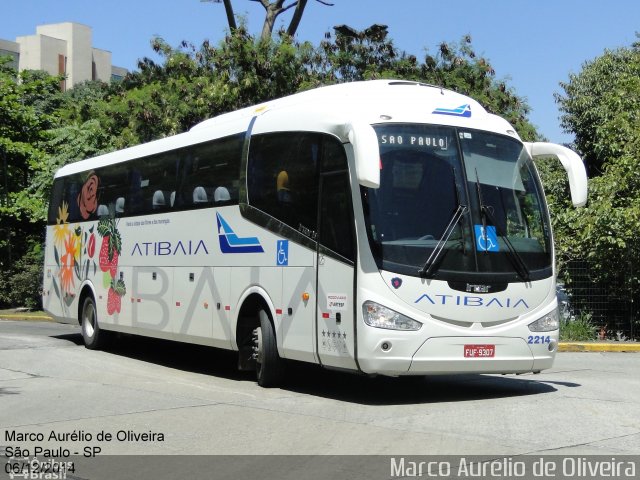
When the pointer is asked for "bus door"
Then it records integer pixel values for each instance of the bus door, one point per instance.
(335, 342)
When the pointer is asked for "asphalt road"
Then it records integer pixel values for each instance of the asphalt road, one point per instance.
(192, 400)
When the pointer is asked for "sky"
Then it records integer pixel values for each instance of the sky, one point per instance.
(533, 44)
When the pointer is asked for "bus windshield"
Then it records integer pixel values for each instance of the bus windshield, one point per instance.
(467, 204)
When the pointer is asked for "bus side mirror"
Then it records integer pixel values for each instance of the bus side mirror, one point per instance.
(571, 162)
(367, 154)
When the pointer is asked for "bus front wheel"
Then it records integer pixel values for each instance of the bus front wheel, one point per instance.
(91, 333)
(269, 365)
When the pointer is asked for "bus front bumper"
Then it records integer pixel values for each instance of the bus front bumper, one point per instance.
(451, 355)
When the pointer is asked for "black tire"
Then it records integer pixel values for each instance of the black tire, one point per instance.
(92, 335)
(269, 365)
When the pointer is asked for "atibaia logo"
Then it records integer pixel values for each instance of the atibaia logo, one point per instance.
(472, 301)
(231, 243)
(461, 111)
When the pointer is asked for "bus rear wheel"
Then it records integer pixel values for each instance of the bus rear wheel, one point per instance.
(269, 365)
(91, 334)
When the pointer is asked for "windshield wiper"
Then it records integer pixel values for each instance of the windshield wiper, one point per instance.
(513, 255)
(428, 268)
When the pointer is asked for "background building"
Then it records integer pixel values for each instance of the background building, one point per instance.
(63, 48)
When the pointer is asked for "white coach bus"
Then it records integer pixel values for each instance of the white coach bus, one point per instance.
(383, 227)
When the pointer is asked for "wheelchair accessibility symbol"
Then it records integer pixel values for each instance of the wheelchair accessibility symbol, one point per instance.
(486, 238)
(282, 255)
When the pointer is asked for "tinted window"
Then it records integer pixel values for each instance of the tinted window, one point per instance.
(192, 177)
(210, 174)
(282, 177)
(57, 192)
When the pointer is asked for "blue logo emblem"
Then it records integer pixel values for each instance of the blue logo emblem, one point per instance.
(486, 239)
(461, 111)
(282, 255)
(231, 243)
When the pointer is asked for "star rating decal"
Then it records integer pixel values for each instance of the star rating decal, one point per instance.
(334, 341)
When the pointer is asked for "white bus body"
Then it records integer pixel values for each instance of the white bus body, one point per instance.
(384, 227)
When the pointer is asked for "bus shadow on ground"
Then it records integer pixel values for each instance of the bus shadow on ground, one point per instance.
(382, 390)
(313, 380)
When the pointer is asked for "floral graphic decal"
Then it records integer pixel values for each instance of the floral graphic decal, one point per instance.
(61, 228)
(110, 250)
(69, 251)
(68, 263)
(88, 196)
(75, 253)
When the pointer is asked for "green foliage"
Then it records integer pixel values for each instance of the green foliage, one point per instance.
(579, 329)
(193, 84)
(601, 106)
(29, 102)
(21, 284)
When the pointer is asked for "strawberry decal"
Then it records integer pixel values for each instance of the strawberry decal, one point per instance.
(114, 297)
(108, 263)
(110, 250)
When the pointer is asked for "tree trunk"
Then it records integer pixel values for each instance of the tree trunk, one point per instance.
(273, 10)
(267, 27)
(297, 16)
(231, 19)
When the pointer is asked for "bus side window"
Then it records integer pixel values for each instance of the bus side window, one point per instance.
(283, 177)
(133, 200)
(55, 205)
(72, 186)
(211, 167)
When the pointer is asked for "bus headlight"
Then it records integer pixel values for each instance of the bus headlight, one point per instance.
(551, 321)
(375, 315)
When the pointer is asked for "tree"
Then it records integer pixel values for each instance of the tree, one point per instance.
(28, 102)
(601, 106)
(28, 105)
(272, 11)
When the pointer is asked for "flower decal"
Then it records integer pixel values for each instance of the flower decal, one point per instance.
(61, 228)
(67, 264)
(88, 196)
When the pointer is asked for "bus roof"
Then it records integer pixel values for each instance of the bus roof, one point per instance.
(374, 101)
(329, 109)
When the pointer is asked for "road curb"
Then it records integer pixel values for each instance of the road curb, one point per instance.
(12, 316)
(598, 347)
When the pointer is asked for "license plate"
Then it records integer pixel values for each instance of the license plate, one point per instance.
(479, 351)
